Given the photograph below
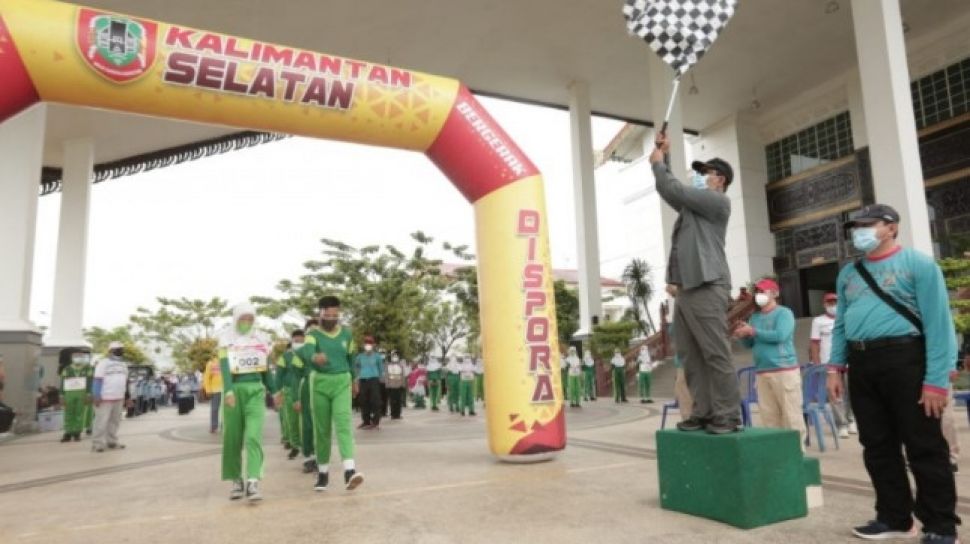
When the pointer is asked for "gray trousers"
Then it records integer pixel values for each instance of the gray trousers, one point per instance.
(700, 319)
(215, 402)
(107, 418)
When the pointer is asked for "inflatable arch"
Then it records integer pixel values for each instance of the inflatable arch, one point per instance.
(58, 52)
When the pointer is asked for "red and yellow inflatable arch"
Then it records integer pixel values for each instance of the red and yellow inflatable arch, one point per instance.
(57, 52)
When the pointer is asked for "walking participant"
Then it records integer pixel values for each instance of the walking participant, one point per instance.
(108, 392)
(212, 385)
(698, 267)
(244, 365)
(819, 351)
(330, 384)
(589, 377)
(369, 369)
(453, 381)
(76, 384)
(434, 382)
(575, 370)
(396, 385)
(303, 400)
(291, 372)
(645, 364)
(619, 377)
(770, 335)
(466, 400)
(480, 380)
(894, 331)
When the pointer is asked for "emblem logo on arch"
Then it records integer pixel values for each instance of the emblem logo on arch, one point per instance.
(121, 49)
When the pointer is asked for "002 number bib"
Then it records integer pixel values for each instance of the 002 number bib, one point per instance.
(248, 359)
(75, 384)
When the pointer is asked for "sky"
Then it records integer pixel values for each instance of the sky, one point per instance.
(233, 225)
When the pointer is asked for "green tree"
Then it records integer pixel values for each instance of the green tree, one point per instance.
(610, 336)
(186, 327)
(198, 354)
(567, 311)
(638, 278)
(449, 325)
(100, 338)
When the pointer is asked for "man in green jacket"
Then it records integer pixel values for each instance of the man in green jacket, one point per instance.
(330, 385)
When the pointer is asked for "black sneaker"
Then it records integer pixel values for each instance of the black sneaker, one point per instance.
(237, 491)
(353, 479)
(293, 454)
(88, 432)
(877, 530)
(309, 466)
(692, 424)
(649, 401)
(77, 438)
(933, 538)
(322, 480)
(253, 493)
(723, 426)
(66, 437)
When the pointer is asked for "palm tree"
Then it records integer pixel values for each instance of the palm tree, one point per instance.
(638, 277)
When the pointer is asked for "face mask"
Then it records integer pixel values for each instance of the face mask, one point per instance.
(297, 345)
(864, 239)
(368, 347)
(328, 324)
(395, 359)
(699, 180)
(244, 328)
(761, 299)
(118, 352)
(831, 309)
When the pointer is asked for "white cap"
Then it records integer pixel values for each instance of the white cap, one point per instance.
(116, 345)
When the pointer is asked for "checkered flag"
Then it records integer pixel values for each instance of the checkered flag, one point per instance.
(680, 31)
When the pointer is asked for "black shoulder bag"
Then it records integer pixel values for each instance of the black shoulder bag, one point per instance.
(887, 298)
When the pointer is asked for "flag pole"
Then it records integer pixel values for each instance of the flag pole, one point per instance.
(670, 106)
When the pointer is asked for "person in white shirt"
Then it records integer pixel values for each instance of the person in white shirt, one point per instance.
(575, 371)
(645, 366)
(589, 377)
(619, 377)
(108, 392)
(819, 350)
(466, 397)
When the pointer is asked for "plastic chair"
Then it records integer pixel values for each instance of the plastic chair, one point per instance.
(668, 406)
(815, 405)
(749, 393)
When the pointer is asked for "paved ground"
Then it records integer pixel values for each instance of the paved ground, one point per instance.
(430, 479)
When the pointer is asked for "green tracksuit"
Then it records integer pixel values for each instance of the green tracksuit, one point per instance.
(76, 384)
(480, 387)
(589, 382)
(574, 380)
(291, 372)
(434, 387)
(243, 422)
(643, 385)
(466, 392)
(329, 391)
(454, 387)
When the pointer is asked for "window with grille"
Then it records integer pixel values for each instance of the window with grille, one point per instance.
(942, 95)
(818, 144)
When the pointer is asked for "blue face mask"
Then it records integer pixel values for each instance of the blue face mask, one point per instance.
(699, 180)
(864, 239)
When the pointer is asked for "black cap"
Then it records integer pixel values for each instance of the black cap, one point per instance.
(720, 165)
(872, 213)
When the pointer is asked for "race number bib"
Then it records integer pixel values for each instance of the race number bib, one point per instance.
(248, 359)
(645, 367)
(467, 376)
(75, 384)
(575, 371)
(395, 370)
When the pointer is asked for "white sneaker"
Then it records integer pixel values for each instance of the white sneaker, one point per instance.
(843, 432)
(252, 491)
(237, 490)
(853, 429)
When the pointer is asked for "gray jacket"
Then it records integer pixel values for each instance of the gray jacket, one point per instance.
(697, 254)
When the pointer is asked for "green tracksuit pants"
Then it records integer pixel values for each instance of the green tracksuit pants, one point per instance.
(284, 428)
(453, 392)
(589, 383)
(330, 398)
(74, 411)
(292, 421)
(480, 387)
(306, 422)
(564, 376)
(435, 390)
(466, 398)
(643, 385)
(619, 384)
(243, 431)
(574, 387)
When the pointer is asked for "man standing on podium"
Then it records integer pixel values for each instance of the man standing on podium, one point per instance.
(698, 267)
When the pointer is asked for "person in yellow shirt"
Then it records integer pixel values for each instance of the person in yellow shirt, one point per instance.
(212, 383)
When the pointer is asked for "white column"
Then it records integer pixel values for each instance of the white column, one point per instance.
(661, 79)
(21, 156)
(72, 244)
(584, 192)
(857, 112)
(890, 124)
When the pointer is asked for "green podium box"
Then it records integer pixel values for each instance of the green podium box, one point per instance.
(746, 479)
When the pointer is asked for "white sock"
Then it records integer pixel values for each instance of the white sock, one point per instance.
(349, 464)
(323, 469)
(252, 480)
(307, 458)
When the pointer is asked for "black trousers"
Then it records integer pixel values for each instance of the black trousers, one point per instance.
(396, 398)
(886, 386)
(370, 400)
(384, 399)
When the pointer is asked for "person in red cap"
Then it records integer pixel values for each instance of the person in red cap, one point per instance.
(770, 333)
(369, 369)
(819, 352)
